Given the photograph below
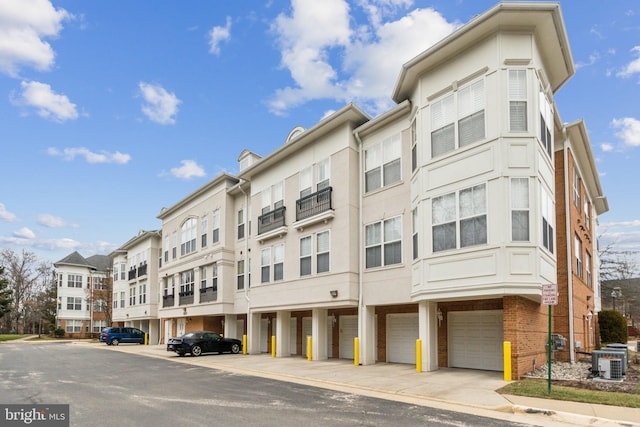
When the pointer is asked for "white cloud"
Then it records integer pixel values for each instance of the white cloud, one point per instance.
(606, 147)
(48, 104)
(633, 67)
(218, 35)
(5, 215)
(23, 27)
(24, 233)
(53, 221)
(629, 130)
(327, 59)
(188, 170)
(161, 106)
(90, 156)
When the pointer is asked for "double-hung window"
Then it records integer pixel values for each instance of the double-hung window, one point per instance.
(214, 276)
(518, 101)
(240, 224)
(576, 188)
(414, 232)
(204, 226)
(306, 181)
(323, 246)
(587, 267)
(323, 170)
(414, 146)
(520, 209)
(461, 214)
(142, 294)
(74, 281)
(382, 163)
(186, 282)
(203, 277)
(215, 235)
(278, 262)
(166, 248)
(174, 247)
(305, 256)
(132, 295)
(265, 269)
(240, 275)
(577, 247)
(548, 220)
(123, 296)
(383, 243)
(188, 236)
(457, 120)
(546, 123)
(74, 303)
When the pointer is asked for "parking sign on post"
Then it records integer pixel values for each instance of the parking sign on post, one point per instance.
(549, 297)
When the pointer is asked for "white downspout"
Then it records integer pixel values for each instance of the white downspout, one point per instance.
(246, 257)
(567, 207)
(361, 315)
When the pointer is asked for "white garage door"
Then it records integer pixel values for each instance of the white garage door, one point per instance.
(293, 339)
(402, 333)
(475, 339)
(348, 331)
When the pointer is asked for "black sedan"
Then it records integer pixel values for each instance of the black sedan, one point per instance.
(199, 342)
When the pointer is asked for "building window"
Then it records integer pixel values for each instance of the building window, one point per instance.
(123, 271)
(278, 262)
(186, 283)
(142, 294)
(122, 298)
(546, 124)
(115, 300)
(132, 295)
(174, 247)
(383, 242)
(166, 248)
(74, 303)
(414, 147)
(306, 181)
(74, 281)
(73, 326)
(520, 209)
(305, 256)
(548, 220)
(203, 277)
(214, 276)
(324, 174)
(464, 214)
(458, 117)
(204, 227)
(576, 188)
(215, 236)
(323, 247)
(587, 215)
(241, 224)
(265, 269)
(414, 232)
(518, 101)
(382, 163)
(587, 267)
(188, 236)
(577, 247)
(240, 275)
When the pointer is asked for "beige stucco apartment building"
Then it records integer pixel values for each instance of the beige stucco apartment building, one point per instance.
(439, 220)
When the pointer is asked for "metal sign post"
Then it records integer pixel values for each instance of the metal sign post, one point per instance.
(549, 297)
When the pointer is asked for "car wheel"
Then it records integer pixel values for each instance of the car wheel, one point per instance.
(196, 351)
(235, 348)
(115, 341)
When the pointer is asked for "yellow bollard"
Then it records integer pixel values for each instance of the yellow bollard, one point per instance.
(418, 356)
(273, 346)
(244, 344)
(507, 361)
(146, 339)
(309, 348)
(356, 351)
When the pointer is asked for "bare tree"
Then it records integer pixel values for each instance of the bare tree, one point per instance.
(6, 301)
(620, 280)
(23, 276)
(100, 297)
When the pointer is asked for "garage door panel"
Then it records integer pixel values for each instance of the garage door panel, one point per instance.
(475, 339)
(348, 331)
(402, 333)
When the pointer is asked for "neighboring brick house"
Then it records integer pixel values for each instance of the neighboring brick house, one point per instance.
(81, 286)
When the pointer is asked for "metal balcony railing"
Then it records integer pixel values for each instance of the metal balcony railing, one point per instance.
(142, 270)
(271, 220)
(133, 273)
(313, 204)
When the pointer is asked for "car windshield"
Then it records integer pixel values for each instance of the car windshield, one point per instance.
(189, 335)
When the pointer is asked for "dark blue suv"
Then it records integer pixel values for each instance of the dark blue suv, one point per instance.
(117, 335)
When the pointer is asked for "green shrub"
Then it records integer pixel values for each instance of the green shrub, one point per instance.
(613, 327)
(59, 332)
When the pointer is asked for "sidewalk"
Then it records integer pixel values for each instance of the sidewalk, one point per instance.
(447, 388)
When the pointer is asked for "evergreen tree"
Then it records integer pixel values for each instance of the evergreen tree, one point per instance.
(6, 299)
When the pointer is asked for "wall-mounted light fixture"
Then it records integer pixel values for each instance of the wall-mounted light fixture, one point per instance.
(333, 320)
(334, 293)
(440, 317)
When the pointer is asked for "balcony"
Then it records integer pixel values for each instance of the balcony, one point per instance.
(142, 270)
(168, 300)
(313, 204)
(133, 273)
(209, 294)
(186, 297)
(271, 220)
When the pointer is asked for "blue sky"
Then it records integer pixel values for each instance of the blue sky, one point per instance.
(110, 111)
